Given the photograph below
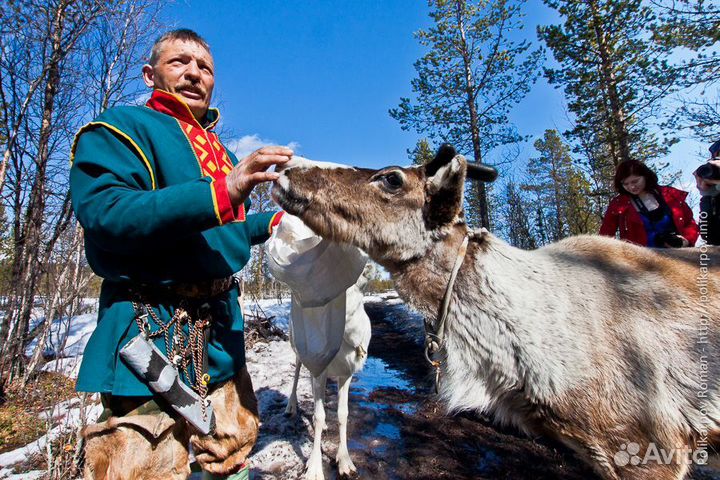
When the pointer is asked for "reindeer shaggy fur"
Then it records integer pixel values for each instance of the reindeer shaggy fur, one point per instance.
(592, 341)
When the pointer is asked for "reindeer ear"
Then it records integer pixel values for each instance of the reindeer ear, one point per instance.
(444, 188)
(445, 153)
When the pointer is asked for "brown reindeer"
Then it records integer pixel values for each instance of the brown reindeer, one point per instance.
(610, 348)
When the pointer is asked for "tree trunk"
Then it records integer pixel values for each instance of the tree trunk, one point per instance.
(18, 120)
(480, 189)
(557, 199)
(65, 302)
(28, 274)
(609, 82)
(51, 311)
(259, 275)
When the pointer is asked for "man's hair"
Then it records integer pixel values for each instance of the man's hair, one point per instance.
(183, 34)
(634, 167)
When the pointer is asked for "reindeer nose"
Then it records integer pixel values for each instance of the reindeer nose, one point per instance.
(294, 161)
(282, 166)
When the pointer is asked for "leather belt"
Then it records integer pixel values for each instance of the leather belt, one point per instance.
(194, 291)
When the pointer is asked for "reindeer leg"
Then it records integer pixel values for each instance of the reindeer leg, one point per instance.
(345, 464)
(291, 409)
(314, 465)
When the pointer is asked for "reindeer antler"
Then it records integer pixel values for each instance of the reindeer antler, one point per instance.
(475, 171)
(481, 172)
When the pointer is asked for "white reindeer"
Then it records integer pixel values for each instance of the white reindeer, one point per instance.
(349, 360)
(311, 328)
(610, 348)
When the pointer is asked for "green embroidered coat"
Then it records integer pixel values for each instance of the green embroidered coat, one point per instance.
(148, 186)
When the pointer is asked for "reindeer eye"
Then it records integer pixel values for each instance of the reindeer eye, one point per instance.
(392, 181)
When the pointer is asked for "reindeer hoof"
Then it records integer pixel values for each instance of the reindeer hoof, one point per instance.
(346, 468)
(314, 472)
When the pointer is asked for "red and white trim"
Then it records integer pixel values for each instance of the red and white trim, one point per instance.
(212, 158)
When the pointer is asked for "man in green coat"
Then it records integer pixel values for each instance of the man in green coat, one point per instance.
(164, 208)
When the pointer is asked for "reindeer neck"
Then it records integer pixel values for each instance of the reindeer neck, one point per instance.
(422, 281)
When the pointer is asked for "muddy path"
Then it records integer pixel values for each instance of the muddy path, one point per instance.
(418, 440)
(397, 430)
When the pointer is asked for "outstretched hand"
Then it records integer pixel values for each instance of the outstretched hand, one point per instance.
(252, 170)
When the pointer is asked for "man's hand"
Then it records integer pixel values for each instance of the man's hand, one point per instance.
(253, 170)
(703, 184)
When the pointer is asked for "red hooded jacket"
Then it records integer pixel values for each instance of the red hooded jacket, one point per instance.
(623, 215)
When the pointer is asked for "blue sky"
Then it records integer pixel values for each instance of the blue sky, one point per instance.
(321, 76)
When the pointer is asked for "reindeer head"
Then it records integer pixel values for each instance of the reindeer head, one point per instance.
(394, 213)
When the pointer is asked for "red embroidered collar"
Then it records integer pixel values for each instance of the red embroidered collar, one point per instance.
(170, 104)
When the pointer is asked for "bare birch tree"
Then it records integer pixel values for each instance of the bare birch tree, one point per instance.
(61, 63)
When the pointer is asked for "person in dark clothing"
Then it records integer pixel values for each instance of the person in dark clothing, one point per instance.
(708, 183)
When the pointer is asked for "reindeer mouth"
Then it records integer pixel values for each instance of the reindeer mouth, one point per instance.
(289, 201)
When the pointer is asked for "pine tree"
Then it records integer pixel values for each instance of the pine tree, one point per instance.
(692, 27)
(613, 75)
(422, 153)
(562, 193)
(695, 26)
(516, 224)
(471, 76)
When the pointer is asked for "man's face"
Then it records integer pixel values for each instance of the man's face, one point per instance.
(185, 69)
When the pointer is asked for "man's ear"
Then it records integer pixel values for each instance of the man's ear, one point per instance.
(148, 75)
(444, 187)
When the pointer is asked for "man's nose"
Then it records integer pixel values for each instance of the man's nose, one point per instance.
(192, 72)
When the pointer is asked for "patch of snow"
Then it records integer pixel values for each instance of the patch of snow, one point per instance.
(390, 297)
(60, 411)
(75, 332)
(271, 308)
(284, 444)
(68, 366)
(6, 474)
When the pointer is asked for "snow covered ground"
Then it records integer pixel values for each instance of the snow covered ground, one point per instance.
(284, 444)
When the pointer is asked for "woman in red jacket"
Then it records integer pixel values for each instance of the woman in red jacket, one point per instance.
(648, 214)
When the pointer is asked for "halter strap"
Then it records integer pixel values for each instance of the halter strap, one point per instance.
(434, 338)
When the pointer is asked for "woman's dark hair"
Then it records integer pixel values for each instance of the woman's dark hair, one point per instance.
(634, 167)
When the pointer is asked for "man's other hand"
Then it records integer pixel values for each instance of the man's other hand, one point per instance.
(253, 170)
(703, 184)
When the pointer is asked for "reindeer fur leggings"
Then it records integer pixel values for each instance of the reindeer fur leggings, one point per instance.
(139, 440)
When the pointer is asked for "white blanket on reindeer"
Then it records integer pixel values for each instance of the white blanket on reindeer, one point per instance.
(319, 273)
